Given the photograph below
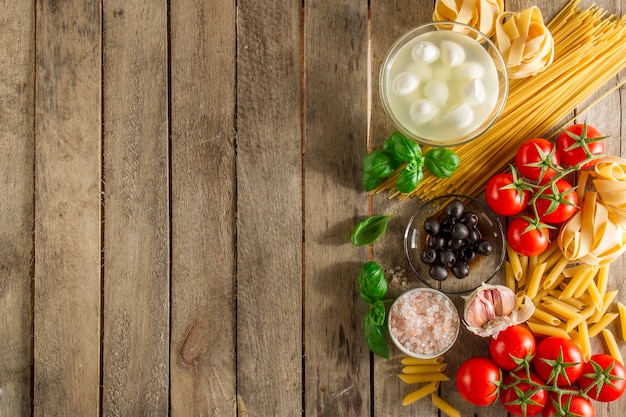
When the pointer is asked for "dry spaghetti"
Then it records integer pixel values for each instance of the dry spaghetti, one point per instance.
(590, 50)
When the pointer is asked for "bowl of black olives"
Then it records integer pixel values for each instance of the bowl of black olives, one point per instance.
(454, 243)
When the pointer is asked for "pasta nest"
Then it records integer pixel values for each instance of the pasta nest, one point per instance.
(524, 41)
(479, 14)
(596, 234)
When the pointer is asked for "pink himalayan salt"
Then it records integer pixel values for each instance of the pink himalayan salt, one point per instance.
(424, 322)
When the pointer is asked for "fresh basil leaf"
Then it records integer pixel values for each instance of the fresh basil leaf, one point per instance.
(369, 230)
(380, 163)
(409, 177)
(376, 335)
(369, 182)
(377, 313)
(441, 162)
(372, 282)
(406, 149)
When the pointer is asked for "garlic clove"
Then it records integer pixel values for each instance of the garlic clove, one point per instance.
(492, 308)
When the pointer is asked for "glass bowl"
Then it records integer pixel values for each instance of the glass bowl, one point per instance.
(443, 83)
(483, 260)
(423, 323)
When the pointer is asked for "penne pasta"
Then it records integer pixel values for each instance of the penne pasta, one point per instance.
(611, 345)
(560, 309)
(621, 308)
(419, 378)
(409, 360)
(423, 369)
(606, 302)
(583, 340)
(420, 393)
(509, 276)
(601, 324)
(535, 278)
(547, 330)
(444, 406)
(555, 273)
(545, 317)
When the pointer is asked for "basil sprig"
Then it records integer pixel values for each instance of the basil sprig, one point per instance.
(369, 230)
(373, 286)
(398, 150)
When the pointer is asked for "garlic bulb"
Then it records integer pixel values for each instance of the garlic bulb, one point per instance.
(492, 308)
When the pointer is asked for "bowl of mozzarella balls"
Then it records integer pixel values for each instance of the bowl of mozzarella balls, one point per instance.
(454, 243)
(443, 83)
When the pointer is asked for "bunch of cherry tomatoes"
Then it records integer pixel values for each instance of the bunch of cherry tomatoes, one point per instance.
(535, 190)
(548, 378)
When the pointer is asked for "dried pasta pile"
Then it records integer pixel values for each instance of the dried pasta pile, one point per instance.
(570, 301)
(429, 373)
(590, 50)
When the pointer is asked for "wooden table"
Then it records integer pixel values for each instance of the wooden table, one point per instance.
(178, 184)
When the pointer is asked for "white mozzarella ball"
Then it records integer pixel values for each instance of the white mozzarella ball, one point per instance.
(474, 92)
(405, 83)
(426, 52)
(423, 110)
(460, 116)
(436, 91)
(452, 54)
(469, 70)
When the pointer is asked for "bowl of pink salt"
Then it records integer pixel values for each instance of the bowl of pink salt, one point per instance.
(423, 323)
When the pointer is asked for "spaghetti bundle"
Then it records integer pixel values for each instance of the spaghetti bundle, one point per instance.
(590, 49)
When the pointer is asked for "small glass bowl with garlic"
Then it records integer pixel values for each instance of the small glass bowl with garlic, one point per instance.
(443, 83)
(455, 243)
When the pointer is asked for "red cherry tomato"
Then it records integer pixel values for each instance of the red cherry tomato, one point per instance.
(558, 359)
(560, 204)
(570, 405)
(537, 159)
(512, 345)
(520, 397)
(525, 238)
(604, 378)
(477, 381)
(572, 141)
(504, 196)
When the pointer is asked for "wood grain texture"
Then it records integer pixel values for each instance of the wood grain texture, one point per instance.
(17, 94)
(269, 207)
(136, 209)
(203, 188)
(336, 357)
(67, 209)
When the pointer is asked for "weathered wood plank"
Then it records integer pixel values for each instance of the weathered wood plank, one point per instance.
(67, 215)
(135, 371)
(269, 207)
(17, 66)
(337, 366)
(203, 181)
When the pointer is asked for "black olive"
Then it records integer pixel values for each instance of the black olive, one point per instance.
(469, 219)
(468, 255)
(460, 270)
(484, 247)
(428, 256)
(456, 245)
(455, 209)
(447, 257)
(459, 231)
(447, 224)
(474, 235)
(436, 242)
(432, 225)
(438, 272)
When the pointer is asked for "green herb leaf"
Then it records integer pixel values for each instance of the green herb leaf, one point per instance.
(369, 182)
(380, 163)
(410, 176)
(377, 313)
(369, 230)
(406, 149)
(441, 162)
(376, 335)
(372, 282)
